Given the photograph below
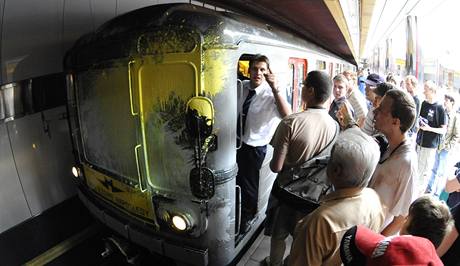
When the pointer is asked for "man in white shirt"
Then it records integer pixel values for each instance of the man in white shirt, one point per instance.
(261, 107)
(394, 179)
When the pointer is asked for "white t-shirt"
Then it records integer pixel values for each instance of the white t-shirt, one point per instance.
(395, 181)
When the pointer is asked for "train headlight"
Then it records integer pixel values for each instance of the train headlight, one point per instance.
(181, 222)
(76, 171)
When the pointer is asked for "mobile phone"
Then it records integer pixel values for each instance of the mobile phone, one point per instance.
(422, 121)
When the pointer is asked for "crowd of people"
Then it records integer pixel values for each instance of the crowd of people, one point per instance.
(391, 162)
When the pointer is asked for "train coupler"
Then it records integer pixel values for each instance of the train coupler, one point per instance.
(114, 244)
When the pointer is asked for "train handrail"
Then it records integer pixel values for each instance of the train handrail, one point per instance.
(130, 80)
(239, 86)
(139, 176)
(238, 204)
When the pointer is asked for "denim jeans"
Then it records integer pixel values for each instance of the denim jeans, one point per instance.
(438, 180)
(426, 158)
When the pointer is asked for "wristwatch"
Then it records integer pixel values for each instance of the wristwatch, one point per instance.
(275, 91)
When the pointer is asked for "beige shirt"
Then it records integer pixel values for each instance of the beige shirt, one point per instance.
(318, 235)
(368, 126)
(394, 180)
(303, 134)
(453, 132)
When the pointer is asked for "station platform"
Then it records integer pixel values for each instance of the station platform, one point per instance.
(259, 250)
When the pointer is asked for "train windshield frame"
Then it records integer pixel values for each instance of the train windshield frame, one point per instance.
(100, 113)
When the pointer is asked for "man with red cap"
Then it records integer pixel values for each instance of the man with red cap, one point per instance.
(362, 246)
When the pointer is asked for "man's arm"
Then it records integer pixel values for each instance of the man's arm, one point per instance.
(455, 132)
(452, 185)
(448, 240)
(276, 164)
(283, 107)
(438, 130)
(452, 232)
(280, 143)
(394, 227)
(281, 103)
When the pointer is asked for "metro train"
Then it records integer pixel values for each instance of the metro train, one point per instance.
(152, 103)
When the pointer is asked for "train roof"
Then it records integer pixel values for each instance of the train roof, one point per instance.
(118, 37)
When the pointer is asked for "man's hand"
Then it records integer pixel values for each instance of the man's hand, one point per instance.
(425, 127)
(345, 116)
(271, 80)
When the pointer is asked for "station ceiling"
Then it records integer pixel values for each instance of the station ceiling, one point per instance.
(319, 21)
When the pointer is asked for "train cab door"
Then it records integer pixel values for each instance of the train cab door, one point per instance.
(298, 71)
(159, 97)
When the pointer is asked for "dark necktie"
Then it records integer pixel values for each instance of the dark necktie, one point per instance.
(246, 105)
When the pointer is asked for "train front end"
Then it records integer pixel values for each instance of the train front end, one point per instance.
(155, 161)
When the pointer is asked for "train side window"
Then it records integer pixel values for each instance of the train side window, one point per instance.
(298, 68)
(331, 69)
(320, 65)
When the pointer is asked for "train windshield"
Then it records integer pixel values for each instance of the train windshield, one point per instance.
(108, 129)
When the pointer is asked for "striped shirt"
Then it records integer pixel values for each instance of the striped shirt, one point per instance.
(358, 102)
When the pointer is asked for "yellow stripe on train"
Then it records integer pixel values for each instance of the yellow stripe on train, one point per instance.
(120, 194)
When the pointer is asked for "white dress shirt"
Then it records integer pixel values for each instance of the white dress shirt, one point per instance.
(262, 117)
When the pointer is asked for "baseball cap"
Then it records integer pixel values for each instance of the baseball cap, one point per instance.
(374, 79)
(362, 246)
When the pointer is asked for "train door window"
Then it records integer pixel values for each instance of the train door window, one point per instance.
(331, 69)
(298, 66)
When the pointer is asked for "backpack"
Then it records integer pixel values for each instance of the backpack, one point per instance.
(303, 186)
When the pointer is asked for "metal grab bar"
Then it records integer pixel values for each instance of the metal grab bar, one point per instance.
(139, 175)
(240, 115)
(130, 81)
(238, 209)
